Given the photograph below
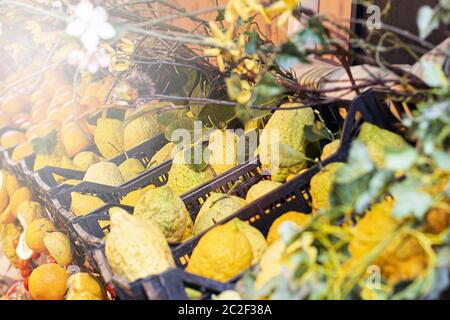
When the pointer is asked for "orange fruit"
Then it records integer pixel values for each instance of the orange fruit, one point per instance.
(19, 196)
(4, 196)
(48, 282)
(6, 216)
(12, 138)
(20, 118)
(92, 89)
(53, 115)
(12, 184)
(38, 115)
(22, 151)
(5, 120)
(89, 102)
(24, 124)
(40, 95)
(14, 104)
(36, 232)
(75, 140)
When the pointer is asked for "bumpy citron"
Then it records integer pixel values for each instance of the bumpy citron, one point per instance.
(216, 208)
(163, 206)
(136, 248)
(321, 185)
(222, 253)
(284, 128)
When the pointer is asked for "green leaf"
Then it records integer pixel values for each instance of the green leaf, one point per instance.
(185, 123)
(433, 75)
(45, 145)
(314, 134)
(252, 44)
(287, 156)
(400, 159)
(167, 117)
(442, 159)
(410, 201)
(197, 157)
(376, 187)
(220, 15)
(268, 87)
(358, 164)
(427, 21)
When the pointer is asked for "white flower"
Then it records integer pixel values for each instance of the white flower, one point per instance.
(90, 24)
(90, 61)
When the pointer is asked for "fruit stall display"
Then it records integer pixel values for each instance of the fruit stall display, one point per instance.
(143, 160)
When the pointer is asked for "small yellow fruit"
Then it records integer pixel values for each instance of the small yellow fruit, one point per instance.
(260, 189)
(58, 245)
(298, 218)
(36, 232)
(83, 204)
(83, 283)
(48, 282)
(222, 253)
(21, 195)
(133, 197)
(30, 211)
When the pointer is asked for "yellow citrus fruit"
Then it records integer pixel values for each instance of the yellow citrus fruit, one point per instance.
(298, 218)
(36, 232)
(58, 245)
(20, 195)
(14, 104)
(85, 283)
(30, 211)
(6, 216)
(12, 138)
(12, 184)
(4, 196)
(22, 151)
(75, 140)
(71, 295)
(48, 282)
(222, 253)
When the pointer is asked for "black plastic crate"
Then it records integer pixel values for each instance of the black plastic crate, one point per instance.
(45, 180)
(14, 167)
(291, 196)
(54, 196)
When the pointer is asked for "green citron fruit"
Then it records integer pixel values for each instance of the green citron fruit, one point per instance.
(321, 185)
(140, 130)
(135, 248)
(85, 159)
(163, 206)
(108, 137)
(377, 140)
(163, 155)
(182, 177)
(285, 127)
(216, 208)
(222, 253)
(130, 168)
(223, 148)
(106, 173)
(83, 204)
(330, 149)
(260, 189)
